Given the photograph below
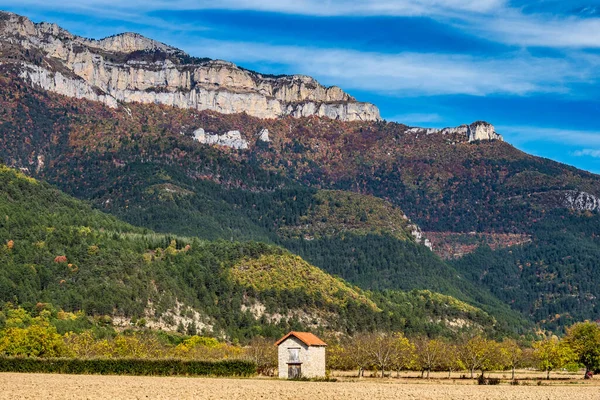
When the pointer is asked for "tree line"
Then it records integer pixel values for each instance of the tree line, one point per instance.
(388, 352)
(74, 336)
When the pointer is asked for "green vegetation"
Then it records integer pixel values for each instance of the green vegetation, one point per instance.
(31, 342)
(79, 259)
(584, 340)
(309, 190)
(335, 213)
(292, 274)
(553, 280)
(125, 366)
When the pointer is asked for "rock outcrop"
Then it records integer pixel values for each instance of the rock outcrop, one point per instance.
(263, 135)
(231, 139)
(477, 131)
(131, 68)
(482, 130)
(581, 201)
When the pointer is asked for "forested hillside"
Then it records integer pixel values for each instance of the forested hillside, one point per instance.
(345, 196)
(59, 250)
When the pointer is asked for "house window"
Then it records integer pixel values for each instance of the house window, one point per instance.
(294, 355)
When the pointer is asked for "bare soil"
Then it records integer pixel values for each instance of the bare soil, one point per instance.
(50, 386)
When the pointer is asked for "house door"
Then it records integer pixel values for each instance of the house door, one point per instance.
(294, 371)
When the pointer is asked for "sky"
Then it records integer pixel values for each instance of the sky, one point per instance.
(531, 68)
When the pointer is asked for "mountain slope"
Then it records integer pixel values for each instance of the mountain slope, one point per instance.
(59, 250)
(234, 176)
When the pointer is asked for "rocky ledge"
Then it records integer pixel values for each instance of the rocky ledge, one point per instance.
(477, 131)
(131, 68)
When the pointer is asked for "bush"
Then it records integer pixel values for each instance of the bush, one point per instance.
(127, 366)
(481, 380)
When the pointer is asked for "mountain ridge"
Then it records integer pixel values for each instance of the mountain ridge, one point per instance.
(132, 68)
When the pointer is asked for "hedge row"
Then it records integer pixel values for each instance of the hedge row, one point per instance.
(127, 366)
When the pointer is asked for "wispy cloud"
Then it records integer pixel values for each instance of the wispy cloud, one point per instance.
(537, 30)
(407, 74)
(571, 137)
(496, 20)
(301, 7)
(595, 153)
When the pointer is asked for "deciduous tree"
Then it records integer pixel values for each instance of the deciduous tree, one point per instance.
(551, 354)
(584, 340)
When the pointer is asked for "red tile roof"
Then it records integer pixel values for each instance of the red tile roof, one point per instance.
(305, 337)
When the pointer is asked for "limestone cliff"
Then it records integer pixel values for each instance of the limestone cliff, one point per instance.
(131, 68)
(479, 130)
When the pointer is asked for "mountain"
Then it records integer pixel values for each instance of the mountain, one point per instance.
(363, 199)
(173, 184)
(132, 68)
(61, 251)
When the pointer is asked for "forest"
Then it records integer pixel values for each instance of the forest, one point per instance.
(344, 196)
(60, 251)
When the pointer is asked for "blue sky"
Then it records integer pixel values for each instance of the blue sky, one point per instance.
(532, 68)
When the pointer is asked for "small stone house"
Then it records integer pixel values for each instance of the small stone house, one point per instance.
(301, 354)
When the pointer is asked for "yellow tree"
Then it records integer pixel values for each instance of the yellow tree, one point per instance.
(429, 354)
(82, 345)
(479, 353)
(551, 354)
(39, 340)
(404, 353)
(512, 355)
(356, 351)
(584, 340)
(451, 360)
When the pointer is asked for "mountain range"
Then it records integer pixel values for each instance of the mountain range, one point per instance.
(268, 178)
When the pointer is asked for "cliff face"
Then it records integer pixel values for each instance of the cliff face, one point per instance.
(132, 68)
(479, 130)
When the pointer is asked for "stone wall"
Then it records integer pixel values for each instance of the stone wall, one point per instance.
(312, 358)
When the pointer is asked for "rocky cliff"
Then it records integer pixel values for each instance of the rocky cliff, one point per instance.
(479, 130)
(131, 68)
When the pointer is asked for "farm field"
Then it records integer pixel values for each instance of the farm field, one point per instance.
(50, 386)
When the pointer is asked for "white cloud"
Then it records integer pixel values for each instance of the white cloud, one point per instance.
(529, 134)
(408, 74)
(302, 7)
(541, 30)
(492, 19)
(587, 152)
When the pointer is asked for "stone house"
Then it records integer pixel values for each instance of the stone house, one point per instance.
(301, 354)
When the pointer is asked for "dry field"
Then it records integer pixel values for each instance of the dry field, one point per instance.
(48, 386)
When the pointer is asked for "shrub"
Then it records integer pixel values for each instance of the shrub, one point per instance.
(481, 380)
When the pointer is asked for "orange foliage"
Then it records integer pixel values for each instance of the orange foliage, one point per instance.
(60, 259)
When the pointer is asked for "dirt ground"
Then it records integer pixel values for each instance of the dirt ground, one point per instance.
(50, 386)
